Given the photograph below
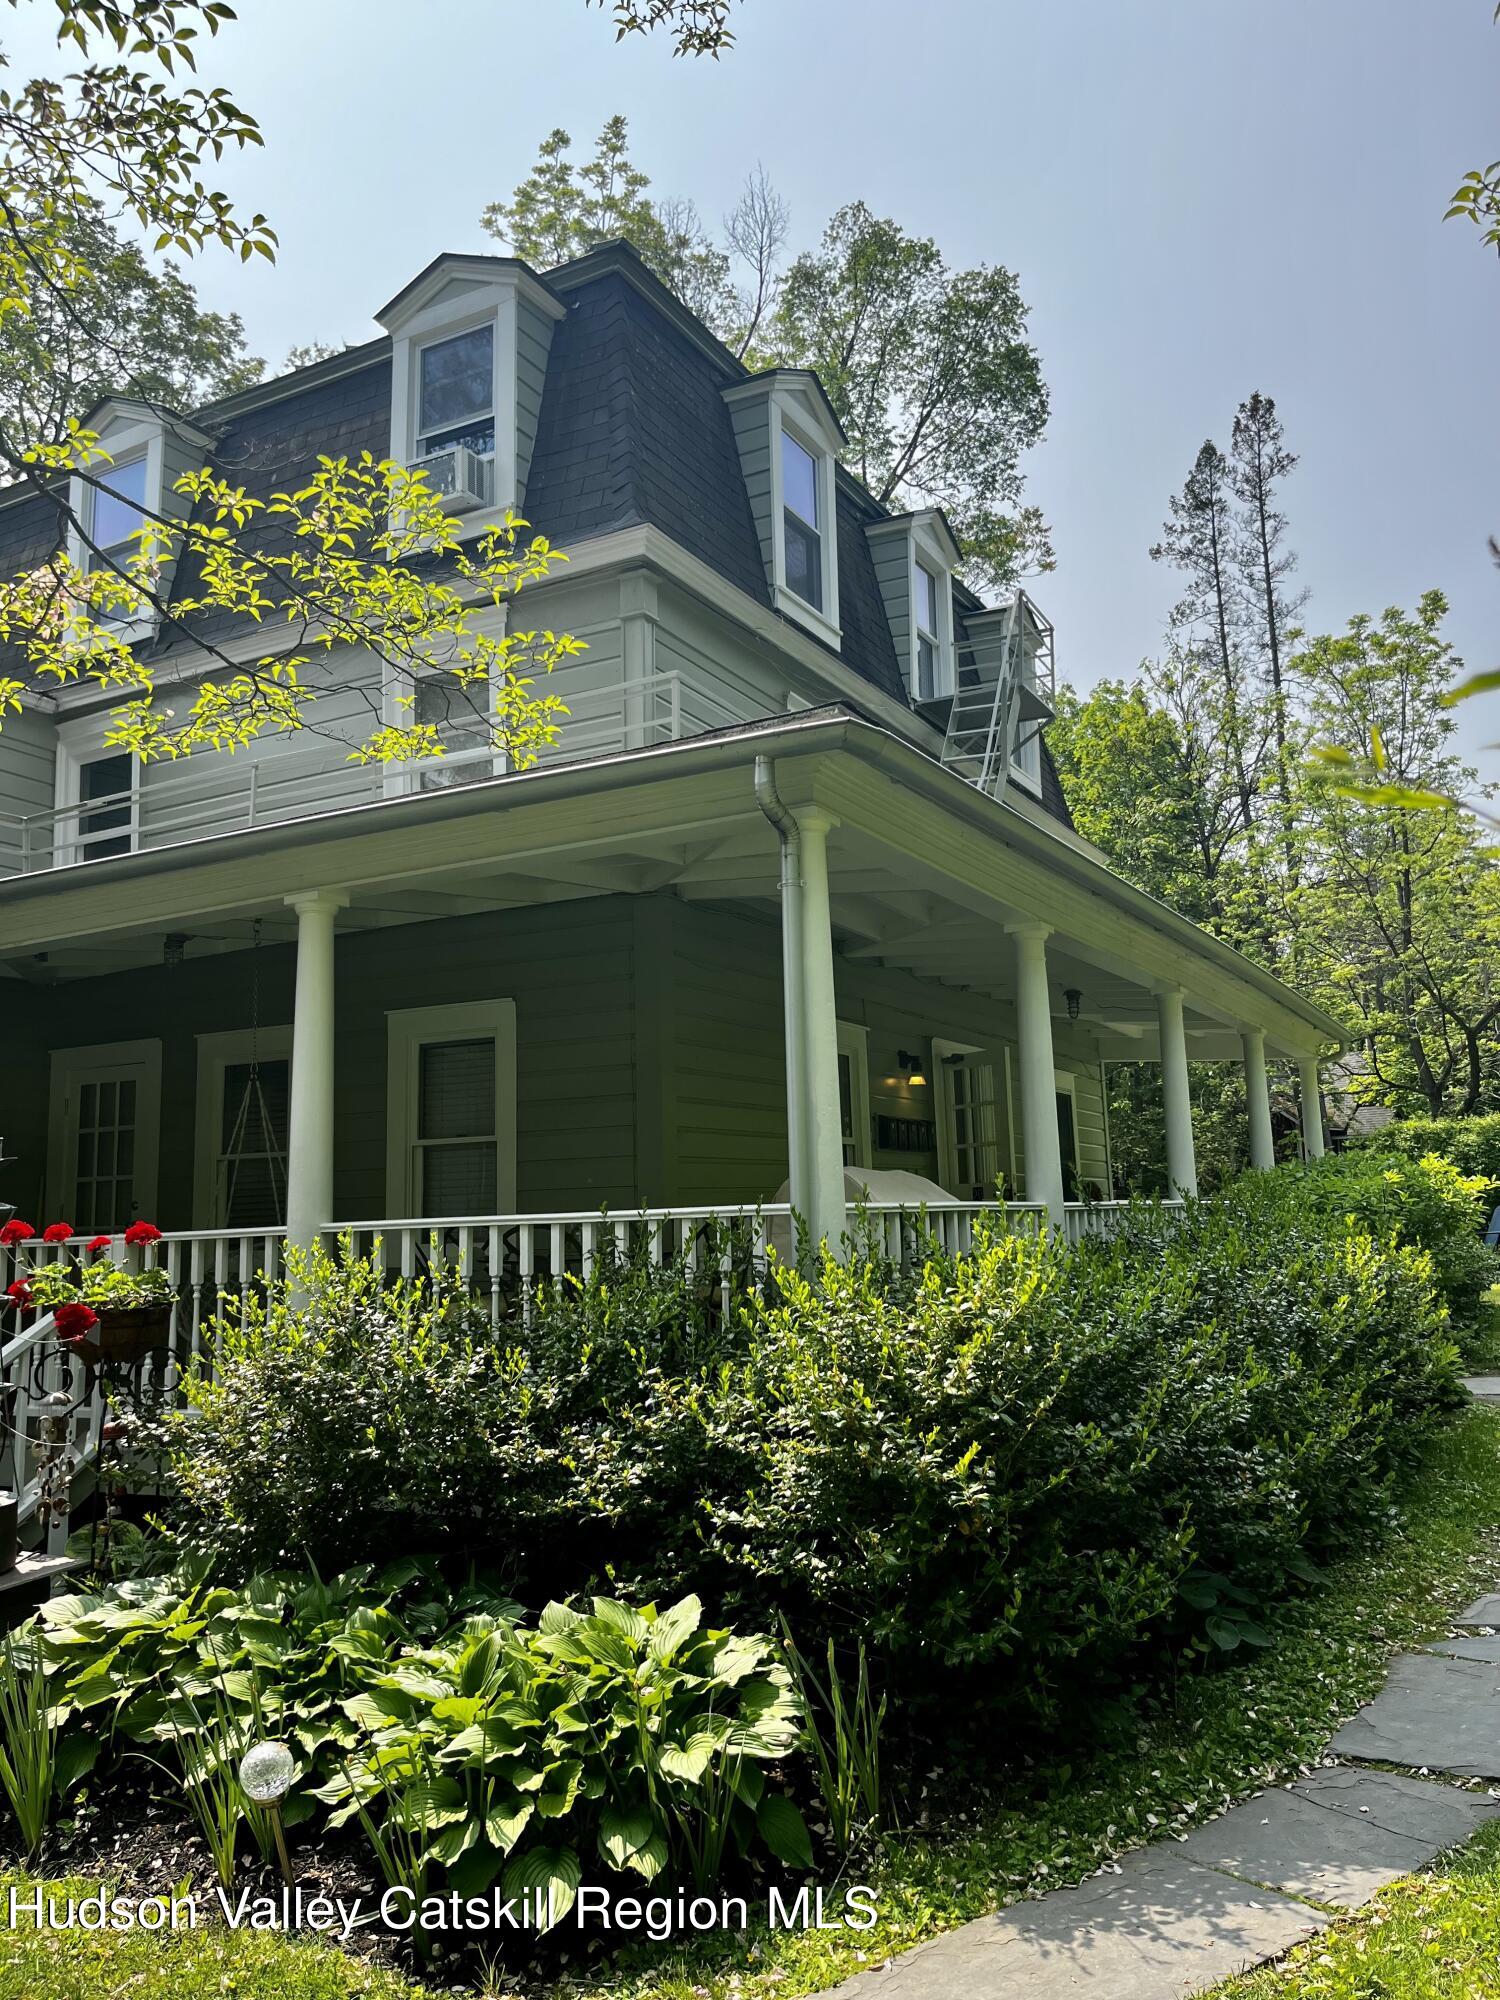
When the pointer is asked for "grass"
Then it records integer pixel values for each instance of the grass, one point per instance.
(1222, 1735)
(181, 1965)
(1431, 1937)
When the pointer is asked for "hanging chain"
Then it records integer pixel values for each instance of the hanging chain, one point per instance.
(255, 999)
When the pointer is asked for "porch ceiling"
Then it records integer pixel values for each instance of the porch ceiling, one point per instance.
(924, 877)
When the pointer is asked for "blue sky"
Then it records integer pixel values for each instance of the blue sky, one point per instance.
(1201, 198)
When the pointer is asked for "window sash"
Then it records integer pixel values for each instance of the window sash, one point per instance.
(119, 507)
(458, 408)
(802, 559)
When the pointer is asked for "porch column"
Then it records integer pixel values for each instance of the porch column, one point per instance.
(822, 1123)
(1043, 1152)
(1311, 1093)
(309, 1179)
(1258, 1098)
(1182, 1164)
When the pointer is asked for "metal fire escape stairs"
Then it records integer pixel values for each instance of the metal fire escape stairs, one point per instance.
(1004, 672)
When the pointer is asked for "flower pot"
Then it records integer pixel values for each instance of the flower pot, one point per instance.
(126, 1333)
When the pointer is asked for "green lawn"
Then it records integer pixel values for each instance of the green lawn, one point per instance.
(1431, 1937)
(186, 1965)
(1224, 1735)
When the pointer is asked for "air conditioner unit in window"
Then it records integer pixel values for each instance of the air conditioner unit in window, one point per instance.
(458, 476)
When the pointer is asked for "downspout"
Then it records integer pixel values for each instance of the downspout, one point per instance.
(792, 983)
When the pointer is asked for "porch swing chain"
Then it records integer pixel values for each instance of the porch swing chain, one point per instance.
(254, 1095)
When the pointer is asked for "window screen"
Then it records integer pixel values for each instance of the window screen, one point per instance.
(456, 1139)
(457, 394)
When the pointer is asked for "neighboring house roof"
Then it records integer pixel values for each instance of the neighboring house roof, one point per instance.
(633, 429)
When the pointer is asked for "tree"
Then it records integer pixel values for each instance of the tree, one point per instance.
(122, 328)
(561, 210)
(929, 369)
(1403, 907)
(361, 556)
(932, 377)
(1258, 461)
(698, 27)
(1198, 539)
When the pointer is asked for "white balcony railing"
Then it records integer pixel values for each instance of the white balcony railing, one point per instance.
(216, 793)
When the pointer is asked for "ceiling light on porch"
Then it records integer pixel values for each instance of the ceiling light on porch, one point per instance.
(174, 947)
(910, 1067)
(1074, 999)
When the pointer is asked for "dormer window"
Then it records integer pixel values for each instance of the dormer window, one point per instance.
(457, 393)
(789, 440)
(915, 557)
(929, 645)
(117, 512)
(470, 339)
(800, 515)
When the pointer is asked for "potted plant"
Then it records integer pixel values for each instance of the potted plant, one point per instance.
(102, 1311)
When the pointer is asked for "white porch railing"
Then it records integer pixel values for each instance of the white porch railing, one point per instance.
(503, 1257)
(201, 796)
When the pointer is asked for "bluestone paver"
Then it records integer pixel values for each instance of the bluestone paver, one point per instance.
(1483, 1611)
(1468, 1646)
(1163, 1927)
(1433, 1713)
(1483, 1388)
(1340, 1836)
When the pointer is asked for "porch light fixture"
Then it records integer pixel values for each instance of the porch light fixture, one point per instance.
(910, 1067)
(1074, 999)
(174, 947)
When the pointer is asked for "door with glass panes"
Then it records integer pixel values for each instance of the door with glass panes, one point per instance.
(968, 1122)
(103, 1134)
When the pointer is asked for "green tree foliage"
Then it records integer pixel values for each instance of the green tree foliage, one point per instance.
(1402, 910)
(697, 27)
(929, 368)
(125, 327)
(349, 557)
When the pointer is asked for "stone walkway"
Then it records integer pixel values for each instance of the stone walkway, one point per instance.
(1176, 1918)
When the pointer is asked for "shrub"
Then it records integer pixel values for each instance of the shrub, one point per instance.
(1427, 1201)
(1019, 1474)
(1472, 1144)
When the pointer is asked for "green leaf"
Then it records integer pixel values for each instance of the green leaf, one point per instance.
(552, 1875)
(649, 1861)
(784, 1831)
(76, 1757)
(674, 1627)
(622, 1618)
(624, 1831)
(1225, 1632)
(505, 1824)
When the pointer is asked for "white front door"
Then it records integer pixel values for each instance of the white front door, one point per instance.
(968, 1122)
(103, 1131)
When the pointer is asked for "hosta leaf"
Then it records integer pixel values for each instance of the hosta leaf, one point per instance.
(650, 1859)
(454, 1841)
(75, 1759)
(559, 1788)
(504, 1825)
(674, 1627)
(476, 1870)
(689, 1760)
(747, 1781)
(552, 1875)
(784, 1831)
(623, 1831)
(375, 1709)
(609, 1612)
(558, 1618)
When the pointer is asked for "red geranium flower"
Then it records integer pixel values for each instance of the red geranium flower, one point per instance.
(99, 1243)
(57, 1232)
(74, 1320)
(19, 1293)
(142, 1232)
(16, 1231)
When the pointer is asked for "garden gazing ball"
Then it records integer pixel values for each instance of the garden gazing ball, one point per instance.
(266, 1772)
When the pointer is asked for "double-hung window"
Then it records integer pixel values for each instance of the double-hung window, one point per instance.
(929, 641)
(456, 393)
(451, 1140)
(802, 527)
(119, 509)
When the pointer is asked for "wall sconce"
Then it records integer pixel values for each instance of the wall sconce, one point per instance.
(1074, 999)
(910, 1067)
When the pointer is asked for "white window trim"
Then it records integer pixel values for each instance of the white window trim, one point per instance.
(216, 1053)
(412, 324)
(854, 1042)
(125, 441)
(929, 545)
(407, 1028)
(67, 1071)
(80, 742)
(401, 780)
(1067, 1086)
(824, 623)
